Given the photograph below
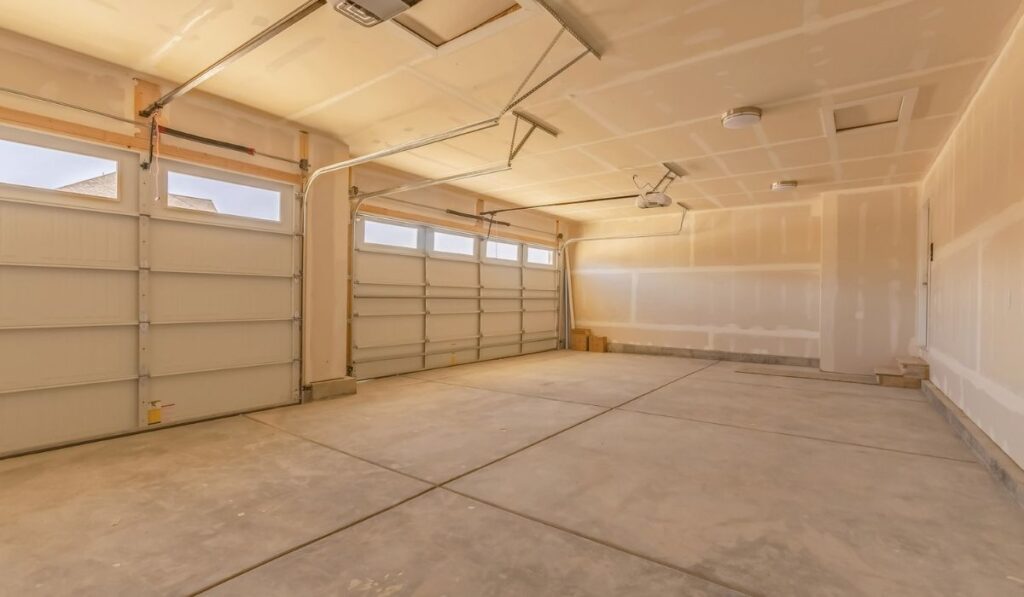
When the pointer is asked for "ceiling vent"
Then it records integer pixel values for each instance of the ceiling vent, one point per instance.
(440, 22)
(372, 12)
(894, 109)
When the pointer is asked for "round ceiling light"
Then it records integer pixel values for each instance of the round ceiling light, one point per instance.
(784, 185)
(740, 118)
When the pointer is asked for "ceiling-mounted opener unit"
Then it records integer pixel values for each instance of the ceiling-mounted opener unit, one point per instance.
(656, 196)
(372, 12)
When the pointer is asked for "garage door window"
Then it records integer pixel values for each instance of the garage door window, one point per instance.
(502, 251)
(199, 193)
(539, 256)
(453, 244)
(52, 169)
(390, 235)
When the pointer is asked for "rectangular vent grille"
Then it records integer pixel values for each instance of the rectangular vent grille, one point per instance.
(873, 112)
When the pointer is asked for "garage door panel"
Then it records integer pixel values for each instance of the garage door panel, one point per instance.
(541, 346)
(501, 347)
(451, 358)
(499, 324)
(500, 277)
(199, 347)
(198, 395)
(50, 357)
(540, 305)
(388, 367)
(368, 307)
(42, 418)
(386, 268)
(44, 296)
(450, 273)
(183, 246)
(378, 292)
(47, 235)
(539, 322)
(540, 279)
(501, 305)
(447, 327)
(387, 331)
(435, 306)
(198, 297)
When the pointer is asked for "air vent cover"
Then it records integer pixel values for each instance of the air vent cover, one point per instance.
(873, 112)
(372, 12)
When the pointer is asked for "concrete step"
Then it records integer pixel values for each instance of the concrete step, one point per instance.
(894, 378)
(914, 367)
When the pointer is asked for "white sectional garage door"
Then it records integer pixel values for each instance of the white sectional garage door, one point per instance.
(427, 298)
(122, 308)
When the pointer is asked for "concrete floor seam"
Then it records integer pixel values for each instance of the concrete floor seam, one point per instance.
(588, 419)
(607, 544)
(635, 398)
(340, 451)
(797, 435)
(310, 542)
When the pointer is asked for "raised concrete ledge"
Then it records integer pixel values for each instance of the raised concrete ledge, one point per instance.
(714, 355)
(992, 457)
(331, 388)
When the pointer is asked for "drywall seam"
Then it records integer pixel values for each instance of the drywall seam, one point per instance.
(1004, 396)
(991, 227)
(1016, 31)
(682, 327)
(829, 283)
(807, 28)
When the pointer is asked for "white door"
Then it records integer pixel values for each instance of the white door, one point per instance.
(427, 298)
(120, 310)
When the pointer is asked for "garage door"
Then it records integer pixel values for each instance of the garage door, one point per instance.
(132, 299)
(426, 298)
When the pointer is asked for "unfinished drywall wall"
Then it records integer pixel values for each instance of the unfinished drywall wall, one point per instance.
(739, 280)
(975, 195)
(869, 278)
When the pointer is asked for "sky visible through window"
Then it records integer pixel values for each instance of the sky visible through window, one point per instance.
(45, 168)
(379, 233)
(453, 243)
(539, 256)
(503, 251)
(228, 197)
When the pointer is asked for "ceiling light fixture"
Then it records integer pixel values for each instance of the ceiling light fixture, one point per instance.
(784, 185)
(741, 118)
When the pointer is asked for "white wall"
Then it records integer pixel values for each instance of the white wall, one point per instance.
(975, 191)
(869, 278)
(739, 280)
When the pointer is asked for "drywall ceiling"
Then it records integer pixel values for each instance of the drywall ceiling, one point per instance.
(670, 67)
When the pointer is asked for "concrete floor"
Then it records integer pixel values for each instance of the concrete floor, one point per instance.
(555, 474)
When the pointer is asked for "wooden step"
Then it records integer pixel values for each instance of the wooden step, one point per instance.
(894, 378)
(914, 367)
